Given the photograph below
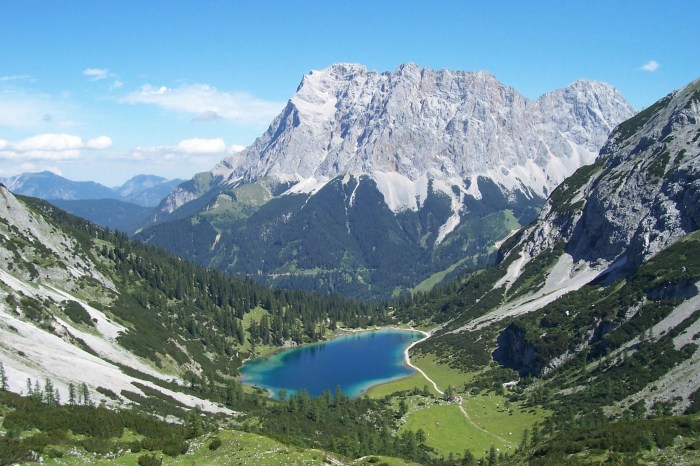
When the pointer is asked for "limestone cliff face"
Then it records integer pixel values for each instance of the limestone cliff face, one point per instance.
(641, 195)
(411, 126)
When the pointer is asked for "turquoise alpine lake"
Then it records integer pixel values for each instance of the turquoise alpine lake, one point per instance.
(353, 362)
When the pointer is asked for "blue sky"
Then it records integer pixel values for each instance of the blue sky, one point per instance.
(104, 90)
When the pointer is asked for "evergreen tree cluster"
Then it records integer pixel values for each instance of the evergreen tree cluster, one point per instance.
(97, 426)
(351, 427)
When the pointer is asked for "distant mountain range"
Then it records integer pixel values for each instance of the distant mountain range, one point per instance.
(110, 213)
(126, 207)
(368, 184)
(142, 190)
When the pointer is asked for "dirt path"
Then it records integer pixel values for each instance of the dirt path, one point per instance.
(469, 419)
(437, 389)
(407, 358)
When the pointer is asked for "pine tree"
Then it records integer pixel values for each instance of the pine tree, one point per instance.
(409, 444)
(85, 394)
(403, 407)
(535, 435)
(524, 440)
(3, 377)
(292, 404)
(194, 423)
(37, 393)
(493, 457)
(468, 459)
(29, 387)
(49, 398)
(72, 400)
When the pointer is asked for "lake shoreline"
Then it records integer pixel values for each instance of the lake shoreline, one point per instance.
(407, 360)
(338, 334)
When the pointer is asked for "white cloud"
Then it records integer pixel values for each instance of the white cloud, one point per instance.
(100, 74)
(40, 155)
(21, 77)
(96, 74)
(50, 147)
(188, 149)
(209, 115)
(117, 84)
(650, 66)
(201, 146)
(207, 103)
(48, 142)
(99, 143)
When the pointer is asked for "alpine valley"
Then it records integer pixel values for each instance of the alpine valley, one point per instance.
(578, 345)
(373, 184)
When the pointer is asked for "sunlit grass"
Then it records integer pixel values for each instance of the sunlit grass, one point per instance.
(406, 383)
(489, 412)
(492, 419)
(236, 448)
(447, 431)
(442, 374)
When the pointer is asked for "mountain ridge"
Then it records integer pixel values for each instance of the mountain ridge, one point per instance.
(345, 120)
(142, 190)
(442, 160)
(645, 194)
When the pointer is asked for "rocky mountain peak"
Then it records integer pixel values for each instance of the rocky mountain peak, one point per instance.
(417, 124)
(641, 195)
(427, 152)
